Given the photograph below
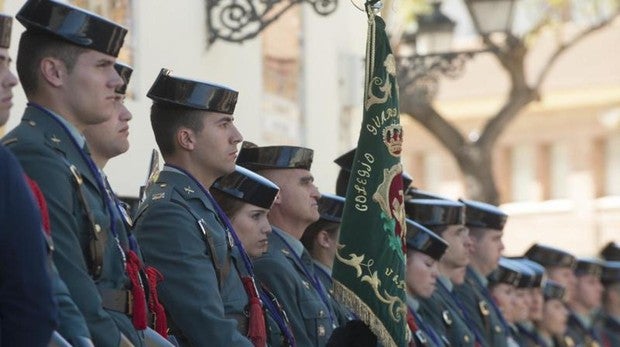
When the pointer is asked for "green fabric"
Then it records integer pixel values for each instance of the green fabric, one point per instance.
(199, 309)
(369, 271)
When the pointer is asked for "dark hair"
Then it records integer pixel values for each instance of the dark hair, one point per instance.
(33, 47)
(313, 230)
(166, 119)
(230, 205)
(476, 232)
(437, 229)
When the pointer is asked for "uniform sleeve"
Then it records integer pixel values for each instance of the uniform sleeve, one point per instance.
(171, 242)
(54, 180)
(26, 304)
(277, 279)
(72, 323)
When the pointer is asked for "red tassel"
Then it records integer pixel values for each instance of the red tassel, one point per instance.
(38, 195)
(257, 332)
(156, 308)
(139, 300)
(412, 326)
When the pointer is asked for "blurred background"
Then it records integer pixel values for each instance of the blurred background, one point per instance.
(513, 102)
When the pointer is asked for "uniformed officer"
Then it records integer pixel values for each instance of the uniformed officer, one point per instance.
(180, 228)
(345, 162)
(27, 307)
(527, 335)
(503, 284)
(65, 64)
(108, 140)
(246, 197)
(486, 224)
(424, 250)
(287, 268)
(611, 304)
(558, 264)
(443, 309)
(552, 327)
(585, 302)
(321, 240)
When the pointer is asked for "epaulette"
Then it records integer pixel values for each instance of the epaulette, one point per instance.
(157, 191)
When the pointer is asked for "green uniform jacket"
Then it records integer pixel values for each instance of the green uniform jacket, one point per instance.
(443, 313)
(45, 151)
(343, 314)
(280, 272)
(476, 300)
(610, 331)
(527, 335)
(580, 334)
(201, 307)
(425, 335)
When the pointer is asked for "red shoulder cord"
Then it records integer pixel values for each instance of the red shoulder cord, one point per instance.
(38, 195)
(257, 332)
(413, 327)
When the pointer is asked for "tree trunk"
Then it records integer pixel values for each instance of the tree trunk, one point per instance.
(477, 169)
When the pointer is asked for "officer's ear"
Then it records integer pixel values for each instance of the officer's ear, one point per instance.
(186, 138)
(53, 71)
(324, 240)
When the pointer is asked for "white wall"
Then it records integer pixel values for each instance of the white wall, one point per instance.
(172, 34)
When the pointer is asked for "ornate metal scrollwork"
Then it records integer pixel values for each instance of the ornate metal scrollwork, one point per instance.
(422, 72)
(240, 20)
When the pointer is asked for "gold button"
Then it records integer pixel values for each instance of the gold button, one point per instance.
(32, 123)
(466, 338)
(498, 329)
(97, 228)
(321, 313)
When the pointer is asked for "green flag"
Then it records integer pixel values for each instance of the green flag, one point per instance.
(369, 272)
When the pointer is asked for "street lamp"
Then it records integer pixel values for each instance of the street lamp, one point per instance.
(433, 56)
(491, 16)
(435, 32)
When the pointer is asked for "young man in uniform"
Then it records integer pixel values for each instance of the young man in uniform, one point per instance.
(180, 228)
(443, 310)
(485, 223)
(66, 66)
(585, 303)
(287, 268)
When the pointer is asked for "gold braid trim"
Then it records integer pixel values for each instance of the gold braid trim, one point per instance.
(352, 301)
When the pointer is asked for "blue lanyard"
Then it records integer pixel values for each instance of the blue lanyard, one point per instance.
(428, 330)
(133, 243)
(315, 282)
(91, 165)
(463, 312)
(246, 259)
(275, 314)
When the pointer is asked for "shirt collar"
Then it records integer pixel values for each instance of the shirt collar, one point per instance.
(483, 280)
(412, 303)
(322, 267)
(446, 282)
(73, 131)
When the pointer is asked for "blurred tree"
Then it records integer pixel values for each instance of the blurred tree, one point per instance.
(474, 156)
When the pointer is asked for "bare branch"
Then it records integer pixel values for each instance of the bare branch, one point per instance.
(517, 100)
(567, 45)
(430, 119)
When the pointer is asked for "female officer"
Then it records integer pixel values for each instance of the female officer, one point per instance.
(246, 197)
